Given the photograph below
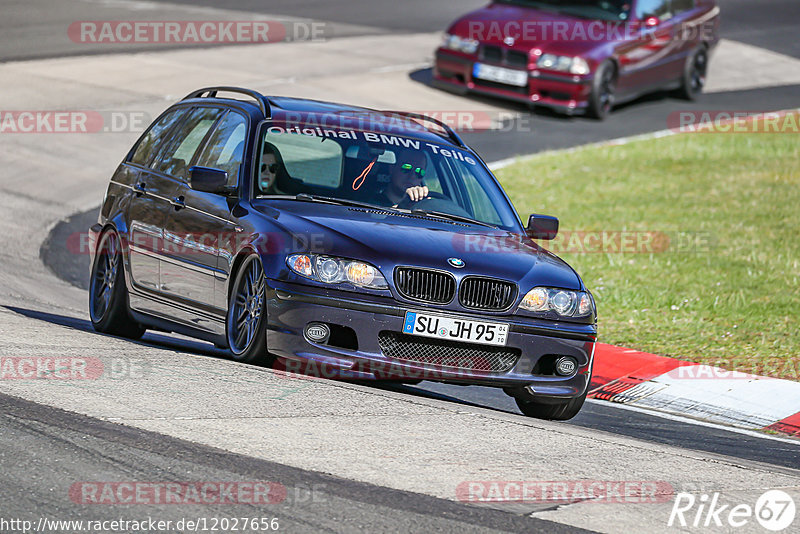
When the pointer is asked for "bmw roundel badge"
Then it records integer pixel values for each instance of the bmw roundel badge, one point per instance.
(458, 263)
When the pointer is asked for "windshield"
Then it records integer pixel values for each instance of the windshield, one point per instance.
(612, 10)
(378, 170)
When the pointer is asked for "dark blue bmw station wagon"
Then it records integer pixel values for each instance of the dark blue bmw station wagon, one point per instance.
(373, 243)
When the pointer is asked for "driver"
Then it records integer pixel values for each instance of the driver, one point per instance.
(406, 181)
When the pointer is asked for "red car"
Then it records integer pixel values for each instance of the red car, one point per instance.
(579, 55)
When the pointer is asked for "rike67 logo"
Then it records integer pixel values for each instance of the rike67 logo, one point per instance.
(774, 510)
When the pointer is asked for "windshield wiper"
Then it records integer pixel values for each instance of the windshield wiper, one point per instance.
(450, 216)
(338, 201)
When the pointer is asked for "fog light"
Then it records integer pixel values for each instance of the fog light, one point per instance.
(318, 332)
(566, 366)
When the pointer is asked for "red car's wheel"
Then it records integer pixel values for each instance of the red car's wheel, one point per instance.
(604, 87)
(694, 74)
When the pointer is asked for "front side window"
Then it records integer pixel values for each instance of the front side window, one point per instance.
(679, 6)
(225, 148)
(653, 8)
(151, 141)
(377, 169)
(176, 158)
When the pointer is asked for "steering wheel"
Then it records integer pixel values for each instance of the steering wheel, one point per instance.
(406, 203)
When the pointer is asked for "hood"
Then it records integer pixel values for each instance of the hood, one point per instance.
(531, 28)
(387, 240)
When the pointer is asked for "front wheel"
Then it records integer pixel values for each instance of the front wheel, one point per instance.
(694, 74)
(561, 410)
(247, 314)
(108, 295)
(604, 88)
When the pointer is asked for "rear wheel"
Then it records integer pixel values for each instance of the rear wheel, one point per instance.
(604, 87)
(108, 295)
(247, 314)
(694, 74)
(554, 410)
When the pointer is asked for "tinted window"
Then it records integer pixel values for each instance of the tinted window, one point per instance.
(612, 10)
(175, 159)
(653, 8)
(311, 160)
(377, 169)
(682, 5)
(225, 149)
(151, 141)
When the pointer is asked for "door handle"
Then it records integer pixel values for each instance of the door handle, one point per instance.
(140, 189)
(178, 203)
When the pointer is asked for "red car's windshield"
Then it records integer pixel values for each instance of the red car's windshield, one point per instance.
(611, 10)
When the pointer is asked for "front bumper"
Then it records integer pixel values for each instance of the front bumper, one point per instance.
(563, 92)
(291, 307)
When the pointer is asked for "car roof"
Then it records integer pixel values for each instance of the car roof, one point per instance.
(330, 115)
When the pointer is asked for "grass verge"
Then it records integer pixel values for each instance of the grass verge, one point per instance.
(708, 223)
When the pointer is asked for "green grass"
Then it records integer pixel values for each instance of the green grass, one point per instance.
(734, 302)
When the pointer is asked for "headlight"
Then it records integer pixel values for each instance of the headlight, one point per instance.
(579, 66)
(564, 302)
(573, 65)
(332, 270)
(454, 42)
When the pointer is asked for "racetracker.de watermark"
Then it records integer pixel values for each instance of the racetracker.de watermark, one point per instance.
(460, 120)
(565, 491)
(199, 32)
(533, 31)
(72, 122)
(594, 242)
(734, 122)
(177, 493)
(740, 369)
(71, 368)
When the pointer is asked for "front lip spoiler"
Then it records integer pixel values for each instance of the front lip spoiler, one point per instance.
(565, 331)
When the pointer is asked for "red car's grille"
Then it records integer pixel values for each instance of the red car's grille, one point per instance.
(512, 58)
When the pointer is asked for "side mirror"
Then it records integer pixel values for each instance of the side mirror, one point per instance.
(208, 180)
(542, 227)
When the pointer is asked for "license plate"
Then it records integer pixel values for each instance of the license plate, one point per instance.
(442, 327)
(518, 78)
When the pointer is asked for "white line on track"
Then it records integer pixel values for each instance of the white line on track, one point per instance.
(689, 420)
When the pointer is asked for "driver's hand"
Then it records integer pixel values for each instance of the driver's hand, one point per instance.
(417, 193)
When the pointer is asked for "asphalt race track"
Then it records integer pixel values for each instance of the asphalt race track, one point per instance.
(193, 415)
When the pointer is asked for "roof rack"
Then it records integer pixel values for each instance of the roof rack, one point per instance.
(448, 130)
(211, 92)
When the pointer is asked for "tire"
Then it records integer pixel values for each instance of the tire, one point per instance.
(246, 324)
(694, 74)
(552, 410)
(108, 294)
(604, 86)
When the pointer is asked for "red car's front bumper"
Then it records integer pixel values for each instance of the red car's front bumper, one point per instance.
(565, 92)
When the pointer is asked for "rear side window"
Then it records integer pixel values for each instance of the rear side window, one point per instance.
(151, 141)
(225, 149)
(176, 158)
